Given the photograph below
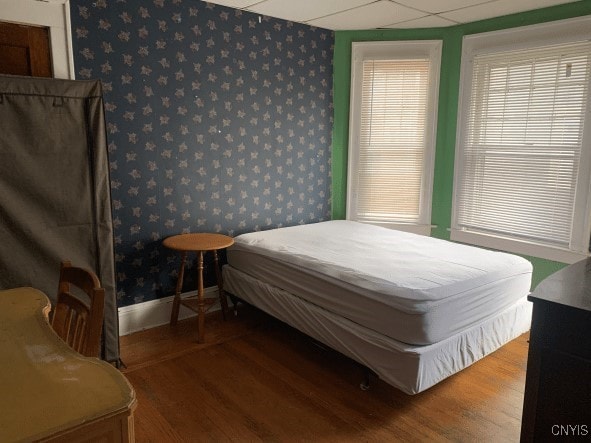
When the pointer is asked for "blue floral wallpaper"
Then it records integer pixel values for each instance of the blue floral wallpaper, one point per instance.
(218, 120)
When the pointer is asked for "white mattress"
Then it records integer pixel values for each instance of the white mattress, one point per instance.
(410, 368)
(414, 289)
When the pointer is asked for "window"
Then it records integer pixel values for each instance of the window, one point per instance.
(394, 87)
(523, 152)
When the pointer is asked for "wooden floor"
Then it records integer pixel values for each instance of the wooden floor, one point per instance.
(257, 379)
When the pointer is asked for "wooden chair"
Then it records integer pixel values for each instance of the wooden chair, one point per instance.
(79, 324)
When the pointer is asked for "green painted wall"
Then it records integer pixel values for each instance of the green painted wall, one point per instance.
(448, 105)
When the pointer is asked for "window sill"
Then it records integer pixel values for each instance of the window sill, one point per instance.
(517, 246)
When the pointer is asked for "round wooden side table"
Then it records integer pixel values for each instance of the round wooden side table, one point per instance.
(199, 243)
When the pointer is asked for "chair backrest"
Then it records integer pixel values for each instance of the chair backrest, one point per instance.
(77, 323)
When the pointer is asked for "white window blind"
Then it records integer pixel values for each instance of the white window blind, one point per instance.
(391, 155)
(391, 149)
(519, 174)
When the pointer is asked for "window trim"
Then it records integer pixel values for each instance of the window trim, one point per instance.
(390, 50)
(557, 32)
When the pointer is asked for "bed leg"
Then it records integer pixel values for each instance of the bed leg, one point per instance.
(234, 300)
(364, 385)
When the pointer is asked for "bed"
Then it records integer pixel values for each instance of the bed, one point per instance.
(412, 309)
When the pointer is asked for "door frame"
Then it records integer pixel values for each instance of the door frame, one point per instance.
(54, 14)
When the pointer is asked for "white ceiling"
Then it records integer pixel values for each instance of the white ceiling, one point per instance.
(372, 14)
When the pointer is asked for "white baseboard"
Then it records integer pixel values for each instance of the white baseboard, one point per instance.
(154, 313)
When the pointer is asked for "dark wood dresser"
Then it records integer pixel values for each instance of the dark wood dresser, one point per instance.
(557, 401)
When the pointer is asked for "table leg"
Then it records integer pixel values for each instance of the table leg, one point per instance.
(200, 297)
(174, 315)
(222, 295)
